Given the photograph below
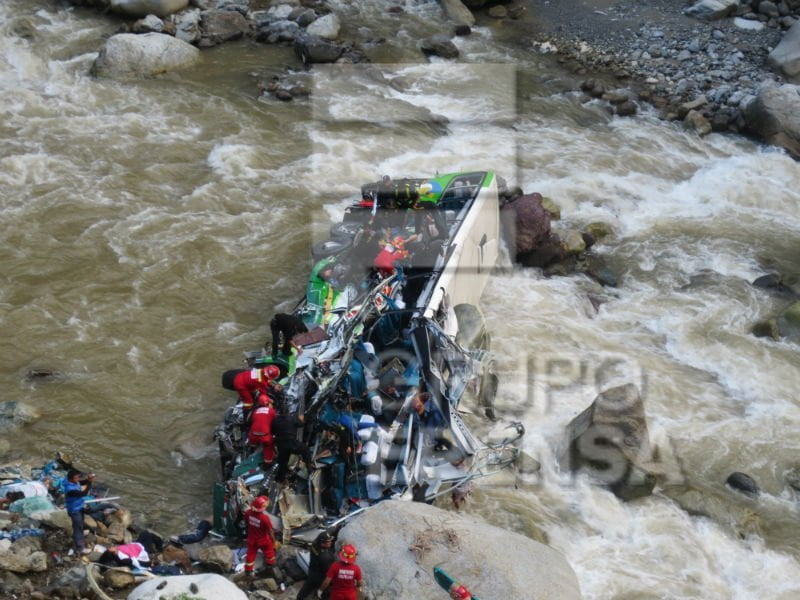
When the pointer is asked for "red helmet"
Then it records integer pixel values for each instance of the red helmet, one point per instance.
(348, 553)
(271, 372)
(263, 400)
(460, 592)
(260, 503)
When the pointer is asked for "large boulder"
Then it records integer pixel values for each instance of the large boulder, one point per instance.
(127, 55)
(610, 441)
(526, 227)
(712, 10)
(326, 27)
(422, 537)
(458, 13)
(785, 57)
(208, 585)
(526, 223)
(774, 116)
(142, 8)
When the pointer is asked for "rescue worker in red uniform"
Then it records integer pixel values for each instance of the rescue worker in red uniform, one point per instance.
(248, 381)
(392, 251)
(260, 433)
(460, 592)
(260, 535)
(344, 576)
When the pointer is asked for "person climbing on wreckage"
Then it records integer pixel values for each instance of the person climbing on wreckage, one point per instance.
(284, 429)
(248, 382)
(260, 434)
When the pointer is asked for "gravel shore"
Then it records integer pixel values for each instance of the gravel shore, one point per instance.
(665, 55)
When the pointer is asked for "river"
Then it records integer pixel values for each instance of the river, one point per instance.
(151, 228)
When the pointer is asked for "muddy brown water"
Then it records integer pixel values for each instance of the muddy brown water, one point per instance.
(151, 228)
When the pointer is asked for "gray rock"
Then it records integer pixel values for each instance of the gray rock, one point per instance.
(220, 26)
(785, 57)
(788, 22)
(305, 17)
(572, 240)
(742, 482)
(279, 31)
(686, 107)
(187, 25)
(696, 121)
(458, 13)
(280, 11)
(326, 27)
(219, 555)
(70, 584)
(768, 329)
(127, 55)
(768, 281)
(423, 536)
(789, 323)
(241, 6)
(118, 579)
(142, 8)
(19, 559)
(311, 49)
(721, 119)
(610, 442)
(207, 586)
(735, 99)
(150, 24)
(439, 45)
(58, 519)
(626, 109)
(774, 116)
(768, 8)
(601, 273)
(748, 24)
(599, 230)
(15, 414)
(712, 10)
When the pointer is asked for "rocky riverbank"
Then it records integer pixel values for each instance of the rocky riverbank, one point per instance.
(717, 65)
(707, 63)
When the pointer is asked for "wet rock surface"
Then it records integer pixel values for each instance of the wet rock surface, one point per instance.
(469, 550)
(610, 441)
